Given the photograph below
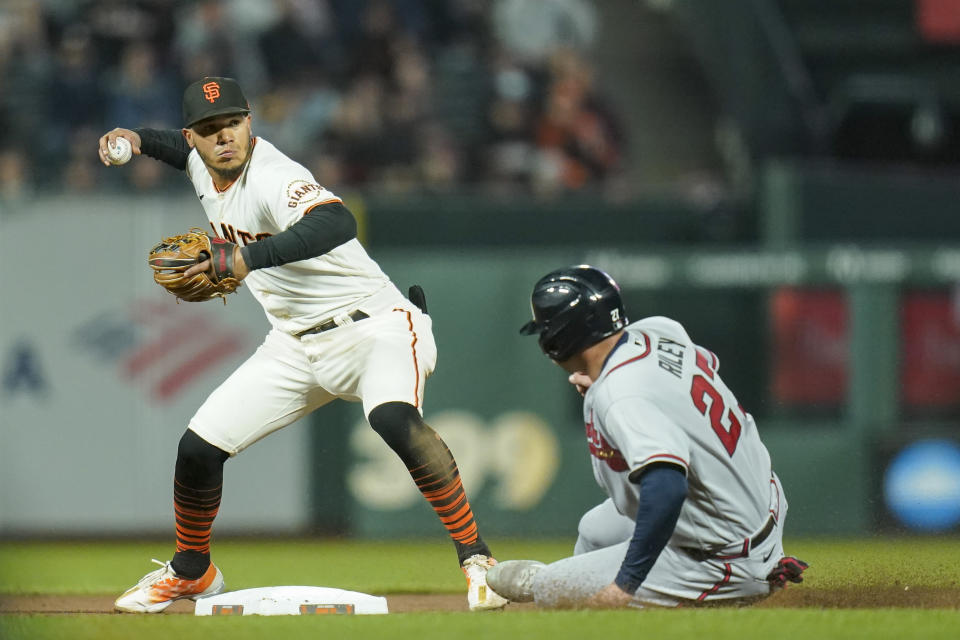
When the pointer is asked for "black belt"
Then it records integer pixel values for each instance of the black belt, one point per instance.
(326, 325)
(748, 544)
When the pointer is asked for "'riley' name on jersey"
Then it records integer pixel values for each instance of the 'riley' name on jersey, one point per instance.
(670, 356)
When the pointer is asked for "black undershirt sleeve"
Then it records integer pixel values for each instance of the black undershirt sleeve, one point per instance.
(166, 145)
(322, 228)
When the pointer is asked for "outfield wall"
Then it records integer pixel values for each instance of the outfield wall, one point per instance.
(101, 371)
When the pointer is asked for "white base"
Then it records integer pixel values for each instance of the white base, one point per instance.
(290, 601)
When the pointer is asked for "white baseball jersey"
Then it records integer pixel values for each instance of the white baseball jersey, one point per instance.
(272, 194)
(384, 358)
(659, 397)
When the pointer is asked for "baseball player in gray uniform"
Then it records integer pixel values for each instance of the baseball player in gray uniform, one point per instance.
(695, 512)
(339, 329)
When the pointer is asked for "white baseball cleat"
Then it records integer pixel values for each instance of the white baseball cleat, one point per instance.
(158, 589)
(513, 579)
(479, 596)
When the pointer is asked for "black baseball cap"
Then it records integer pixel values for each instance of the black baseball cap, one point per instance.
(212, 96)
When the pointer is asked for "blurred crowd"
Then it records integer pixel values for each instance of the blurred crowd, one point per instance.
(394, 95)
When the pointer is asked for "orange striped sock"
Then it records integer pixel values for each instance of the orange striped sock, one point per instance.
(439, 482)
(195, 510)
(434, 471)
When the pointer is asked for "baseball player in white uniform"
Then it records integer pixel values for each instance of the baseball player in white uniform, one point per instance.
(339, 329)
(695, 512)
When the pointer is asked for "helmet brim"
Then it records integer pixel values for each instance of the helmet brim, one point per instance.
(531, 328)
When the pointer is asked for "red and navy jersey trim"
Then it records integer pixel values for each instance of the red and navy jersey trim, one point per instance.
(643, 355)
(668, 457)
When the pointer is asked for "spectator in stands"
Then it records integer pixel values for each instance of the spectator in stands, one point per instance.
(25, 68)
(533, 31)
(205, 40)
(74, 94)
(578, 142)
(138, 89)
(510, 153)
(79, 175)
(395, 94)
(300, 42)
(13, 176)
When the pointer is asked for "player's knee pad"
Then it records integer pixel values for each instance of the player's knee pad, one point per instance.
(395, 422)
(199, 463)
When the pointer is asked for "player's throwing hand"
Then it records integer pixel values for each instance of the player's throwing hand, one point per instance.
(109, 139)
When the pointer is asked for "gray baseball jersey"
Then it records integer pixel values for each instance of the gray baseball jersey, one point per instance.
(659, 398)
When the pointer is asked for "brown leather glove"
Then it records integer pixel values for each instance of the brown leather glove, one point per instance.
(173, 256)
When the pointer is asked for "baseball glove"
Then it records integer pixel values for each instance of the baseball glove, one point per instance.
(172, 257)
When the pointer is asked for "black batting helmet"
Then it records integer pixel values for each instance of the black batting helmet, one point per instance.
(574, 308)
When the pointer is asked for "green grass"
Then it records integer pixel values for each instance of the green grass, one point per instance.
(421, 567)
(400, 567)
(411, 567)
(878, 562)
(534, 625)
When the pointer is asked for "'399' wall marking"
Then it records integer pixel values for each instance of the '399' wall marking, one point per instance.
(517, 453)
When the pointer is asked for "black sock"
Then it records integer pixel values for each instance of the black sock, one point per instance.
(190, 564)
(464, 551)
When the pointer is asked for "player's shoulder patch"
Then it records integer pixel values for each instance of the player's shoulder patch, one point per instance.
(300, 192)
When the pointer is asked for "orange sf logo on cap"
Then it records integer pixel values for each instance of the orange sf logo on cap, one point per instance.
(211, 91)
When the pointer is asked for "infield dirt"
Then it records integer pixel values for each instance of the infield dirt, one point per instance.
(897, 596)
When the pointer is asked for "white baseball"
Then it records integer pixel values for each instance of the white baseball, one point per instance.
(120, 152)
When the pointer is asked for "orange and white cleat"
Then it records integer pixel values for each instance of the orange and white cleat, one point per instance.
(480, 597)
(160, 588)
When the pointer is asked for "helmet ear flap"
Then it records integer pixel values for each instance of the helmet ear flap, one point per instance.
(560, 344)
